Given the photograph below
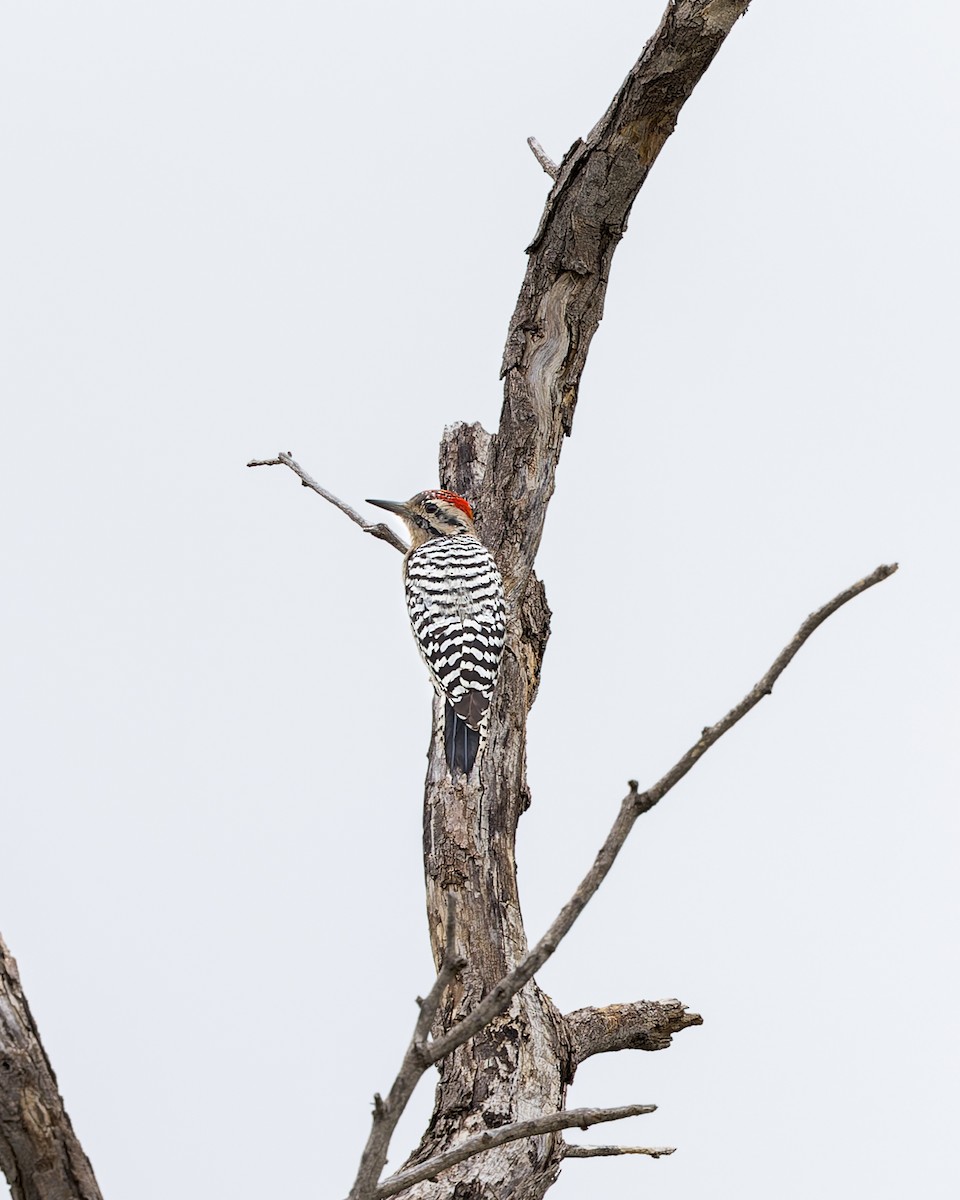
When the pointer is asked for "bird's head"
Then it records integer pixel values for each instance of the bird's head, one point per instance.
(431, 514)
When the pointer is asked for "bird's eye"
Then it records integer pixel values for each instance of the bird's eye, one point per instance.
(430, 507)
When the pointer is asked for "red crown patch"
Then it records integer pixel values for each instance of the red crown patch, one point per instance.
(453, 498)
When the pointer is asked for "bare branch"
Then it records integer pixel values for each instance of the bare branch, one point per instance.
(612, 1151)
(644, 1025)
(635, 803)
(580, 1118)
(543, 158)
(39, 1151)
(764, 687)
(386, 1113)
(381, 531)
(452, 963)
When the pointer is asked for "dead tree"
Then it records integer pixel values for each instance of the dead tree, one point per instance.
(504, 1053)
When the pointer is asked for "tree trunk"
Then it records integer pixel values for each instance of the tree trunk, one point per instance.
(520, 1065)
(517, 1067)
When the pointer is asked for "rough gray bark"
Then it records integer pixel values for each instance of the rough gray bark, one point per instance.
(646, 1025)
(39, 1152)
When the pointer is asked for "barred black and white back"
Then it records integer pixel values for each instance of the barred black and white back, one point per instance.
(455, 600)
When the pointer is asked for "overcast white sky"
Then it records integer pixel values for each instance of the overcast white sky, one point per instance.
(233, 228)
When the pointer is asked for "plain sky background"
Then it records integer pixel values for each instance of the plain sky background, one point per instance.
(234, 228)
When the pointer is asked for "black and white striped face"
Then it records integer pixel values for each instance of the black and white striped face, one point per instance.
(432, 514)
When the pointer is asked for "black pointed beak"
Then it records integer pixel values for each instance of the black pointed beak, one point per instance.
(394, 506)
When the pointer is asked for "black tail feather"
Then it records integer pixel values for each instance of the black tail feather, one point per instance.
(460, 743)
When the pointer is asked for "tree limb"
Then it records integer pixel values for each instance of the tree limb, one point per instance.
(644, 1025)
(386, 1113)
(381, 531)
(562, 296)
(580, 1118)
(612, 1151)
(39, 1152)
(452, 963)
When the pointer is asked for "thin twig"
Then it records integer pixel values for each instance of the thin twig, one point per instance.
(543, 158)
(581, 1118)
(381, 531)
(612, 1151)
(420, 1056)
(498, 998)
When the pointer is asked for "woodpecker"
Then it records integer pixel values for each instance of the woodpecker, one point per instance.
(455, 601)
